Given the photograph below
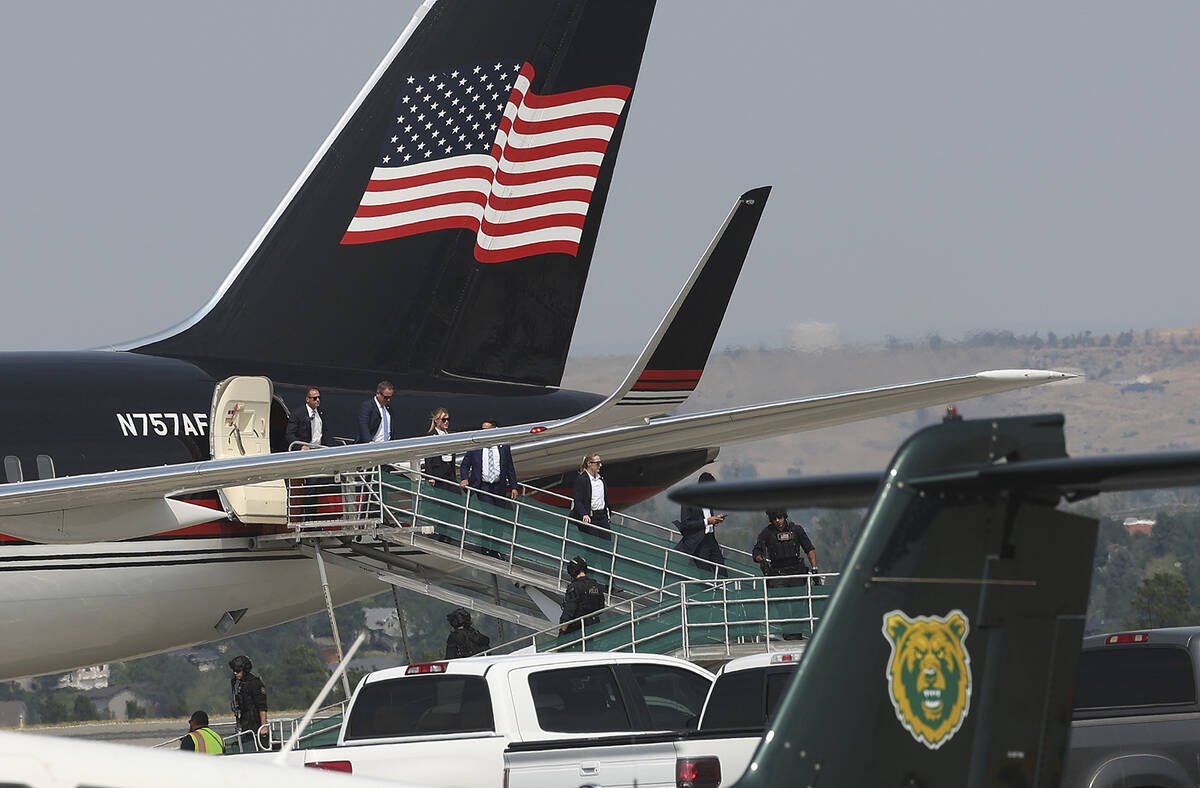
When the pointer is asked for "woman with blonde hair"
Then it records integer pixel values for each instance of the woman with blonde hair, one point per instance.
(440, 468)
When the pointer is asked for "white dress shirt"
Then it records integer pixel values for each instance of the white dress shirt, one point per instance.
(314, 417)
(597, 491)
(491, 464)
(385, 425)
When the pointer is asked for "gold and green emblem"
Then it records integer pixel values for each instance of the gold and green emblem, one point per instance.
(929, 674)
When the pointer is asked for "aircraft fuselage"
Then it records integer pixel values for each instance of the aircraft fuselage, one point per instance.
(94, 411)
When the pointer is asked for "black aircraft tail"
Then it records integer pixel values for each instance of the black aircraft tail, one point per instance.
(949, 651)
(447, 224)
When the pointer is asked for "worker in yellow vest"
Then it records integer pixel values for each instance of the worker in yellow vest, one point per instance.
(201, 738)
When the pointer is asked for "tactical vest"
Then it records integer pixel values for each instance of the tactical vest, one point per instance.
(592, 598)
(784, 549)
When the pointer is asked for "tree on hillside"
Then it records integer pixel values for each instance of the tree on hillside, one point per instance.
(296, 680)
(1162, 601)
(83, 709)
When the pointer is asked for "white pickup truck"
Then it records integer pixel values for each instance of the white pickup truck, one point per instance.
(447, 724)
(740, 706)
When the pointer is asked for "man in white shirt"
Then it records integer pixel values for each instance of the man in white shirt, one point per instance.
(491, 470)
(306, 425)
(375, 415)
(306, 430)
(698, 527)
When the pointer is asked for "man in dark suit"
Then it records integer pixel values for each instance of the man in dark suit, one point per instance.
(375, 415)
(492, 471)
(307, 428)
(698, 527)
(306, 425)
(591, 499)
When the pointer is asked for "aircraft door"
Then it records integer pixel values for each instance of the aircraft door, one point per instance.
(241, 427)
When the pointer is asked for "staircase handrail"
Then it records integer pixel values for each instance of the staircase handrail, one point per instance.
(562, 557)
(620, 616)
(667, 532)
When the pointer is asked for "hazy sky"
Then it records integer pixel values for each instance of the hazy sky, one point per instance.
(937, 166)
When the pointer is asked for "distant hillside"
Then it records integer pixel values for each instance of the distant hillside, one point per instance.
(1138, 392)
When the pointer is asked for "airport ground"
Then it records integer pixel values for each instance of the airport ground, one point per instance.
(139, 733)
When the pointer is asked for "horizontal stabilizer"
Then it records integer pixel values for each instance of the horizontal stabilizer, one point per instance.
(1071, 478)
(1079, 477)
(841, 491)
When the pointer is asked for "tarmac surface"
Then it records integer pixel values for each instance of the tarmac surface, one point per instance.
(140, 733)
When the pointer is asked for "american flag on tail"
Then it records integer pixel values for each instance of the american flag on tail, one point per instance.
(474, 148)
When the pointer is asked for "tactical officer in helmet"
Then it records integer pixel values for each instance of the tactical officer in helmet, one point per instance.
(464, 640)
(249, 698)
(584, 595)
(781, 548)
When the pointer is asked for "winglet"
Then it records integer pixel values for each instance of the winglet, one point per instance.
(670, 365)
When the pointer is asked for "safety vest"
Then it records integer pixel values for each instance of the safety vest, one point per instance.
(207, 741)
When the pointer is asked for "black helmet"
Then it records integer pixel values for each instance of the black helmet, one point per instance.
(240, 662)
(458, 617)
(775, 514)
(575, 566)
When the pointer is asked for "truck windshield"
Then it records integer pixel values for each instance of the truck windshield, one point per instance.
(1140, 675)
(419, 705)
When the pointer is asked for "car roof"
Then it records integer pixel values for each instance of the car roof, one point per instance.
(783, 656)
(478, 666)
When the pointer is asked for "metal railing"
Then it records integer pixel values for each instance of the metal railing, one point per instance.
(322, 501)
(404, 507)
(279, 731)
(633, 521)
(716, 615)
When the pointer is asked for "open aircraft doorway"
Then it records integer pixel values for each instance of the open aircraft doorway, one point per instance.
(241, 427)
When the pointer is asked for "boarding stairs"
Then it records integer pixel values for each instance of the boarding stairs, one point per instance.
(458, 545)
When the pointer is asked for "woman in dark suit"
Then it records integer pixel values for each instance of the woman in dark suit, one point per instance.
(441, 468)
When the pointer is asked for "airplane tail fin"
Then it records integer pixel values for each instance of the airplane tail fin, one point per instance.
(446, 226)
(948, 654)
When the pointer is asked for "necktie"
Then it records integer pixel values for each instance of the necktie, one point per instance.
(387, 425)
(489, 466)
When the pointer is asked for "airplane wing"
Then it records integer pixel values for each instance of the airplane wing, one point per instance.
(96, 507)
(739, 425)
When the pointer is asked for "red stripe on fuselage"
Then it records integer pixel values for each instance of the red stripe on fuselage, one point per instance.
(664, 385)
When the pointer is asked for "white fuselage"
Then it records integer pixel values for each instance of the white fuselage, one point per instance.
(67, 606)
